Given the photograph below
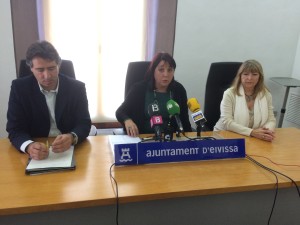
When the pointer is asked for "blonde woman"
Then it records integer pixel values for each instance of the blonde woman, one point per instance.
(246, 107)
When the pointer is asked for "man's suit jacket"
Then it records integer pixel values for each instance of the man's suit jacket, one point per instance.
(28, 115)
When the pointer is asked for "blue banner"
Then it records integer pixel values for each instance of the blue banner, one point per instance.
(177, 151)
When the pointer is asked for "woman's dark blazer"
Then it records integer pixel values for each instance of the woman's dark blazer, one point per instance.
(134, 106)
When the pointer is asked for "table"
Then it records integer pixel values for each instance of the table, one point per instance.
(231, 191)
(288, 82)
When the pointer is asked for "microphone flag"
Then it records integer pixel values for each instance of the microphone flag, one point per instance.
(155, 120)
(197, 115)
(174, 110)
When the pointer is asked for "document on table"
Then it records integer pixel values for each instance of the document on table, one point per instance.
(54, 162)
(121, 139)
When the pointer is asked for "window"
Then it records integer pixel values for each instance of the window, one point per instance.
(100, 37)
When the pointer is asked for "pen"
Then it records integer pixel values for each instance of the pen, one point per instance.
(47, 144)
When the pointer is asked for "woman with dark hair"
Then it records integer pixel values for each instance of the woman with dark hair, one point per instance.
(246, 107)
(158, 87)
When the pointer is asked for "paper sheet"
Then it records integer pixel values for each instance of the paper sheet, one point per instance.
(122, 139)
(63, 159)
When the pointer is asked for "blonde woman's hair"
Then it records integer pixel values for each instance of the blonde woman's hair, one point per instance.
(252, 66)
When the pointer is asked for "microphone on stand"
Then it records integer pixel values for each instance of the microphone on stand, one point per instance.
(155, 120)
(174, 110)
(168, 134)
(197, 115)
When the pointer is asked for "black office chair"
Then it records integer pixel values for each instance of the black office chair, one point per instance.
(220, 77)
(66, 68)
(135, 72)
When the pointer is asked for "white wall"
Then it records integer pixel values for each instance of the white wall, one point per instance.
(296, 68)
(7, 63)
(235, 30)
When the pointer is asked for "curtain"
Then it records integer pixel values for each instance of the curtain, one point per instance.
(24, 24)
(161, 25)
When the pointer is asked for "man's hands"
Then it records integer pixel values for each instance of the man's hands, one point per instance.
(62, 143)
(39, 151)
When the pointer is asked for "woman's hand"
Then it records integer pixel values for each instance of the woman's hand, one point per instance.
(263, 134)
(131, 128)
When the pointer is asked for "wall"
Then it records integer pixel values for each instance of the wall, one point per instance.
(296, 68)
(7, 61)
(213, 30)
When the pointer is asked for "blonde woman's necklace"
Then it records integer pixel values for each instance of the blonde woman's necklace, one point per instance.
(249, 98)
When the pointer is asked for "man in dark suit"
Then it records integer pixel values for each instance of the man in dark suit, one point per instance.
(47, 104)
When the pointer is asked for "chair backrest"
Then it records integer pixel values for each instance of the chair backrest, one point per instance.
(135, 72)
(220, 77)
(66, 68)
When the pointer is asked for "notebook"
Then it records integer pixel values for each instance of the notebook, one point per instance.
(55, 162)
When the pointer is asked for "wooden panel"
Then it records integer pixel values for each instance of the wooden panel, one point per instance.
(106, 125)
(25, 27)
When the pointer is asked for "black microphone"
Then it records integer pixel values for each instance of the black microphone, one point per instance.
(174, 110)
(155, 120)
(168, 134)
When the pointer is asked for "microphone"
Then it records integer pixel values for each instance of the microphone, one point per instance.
(197, 115)
(174, 110)
(168, 134)
(155, 120)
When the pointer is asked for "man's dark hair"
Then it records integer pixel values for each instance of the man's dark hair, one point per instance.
(43, 49)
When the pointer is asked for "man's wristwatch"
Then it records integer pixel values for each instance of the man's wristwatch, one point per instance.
(75, 138)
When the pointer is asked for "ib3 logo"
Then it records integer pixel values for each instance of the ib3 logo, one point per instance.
(125, 157)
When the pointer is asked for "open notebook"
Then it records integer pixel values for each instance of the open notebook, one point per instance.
(54, 162)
